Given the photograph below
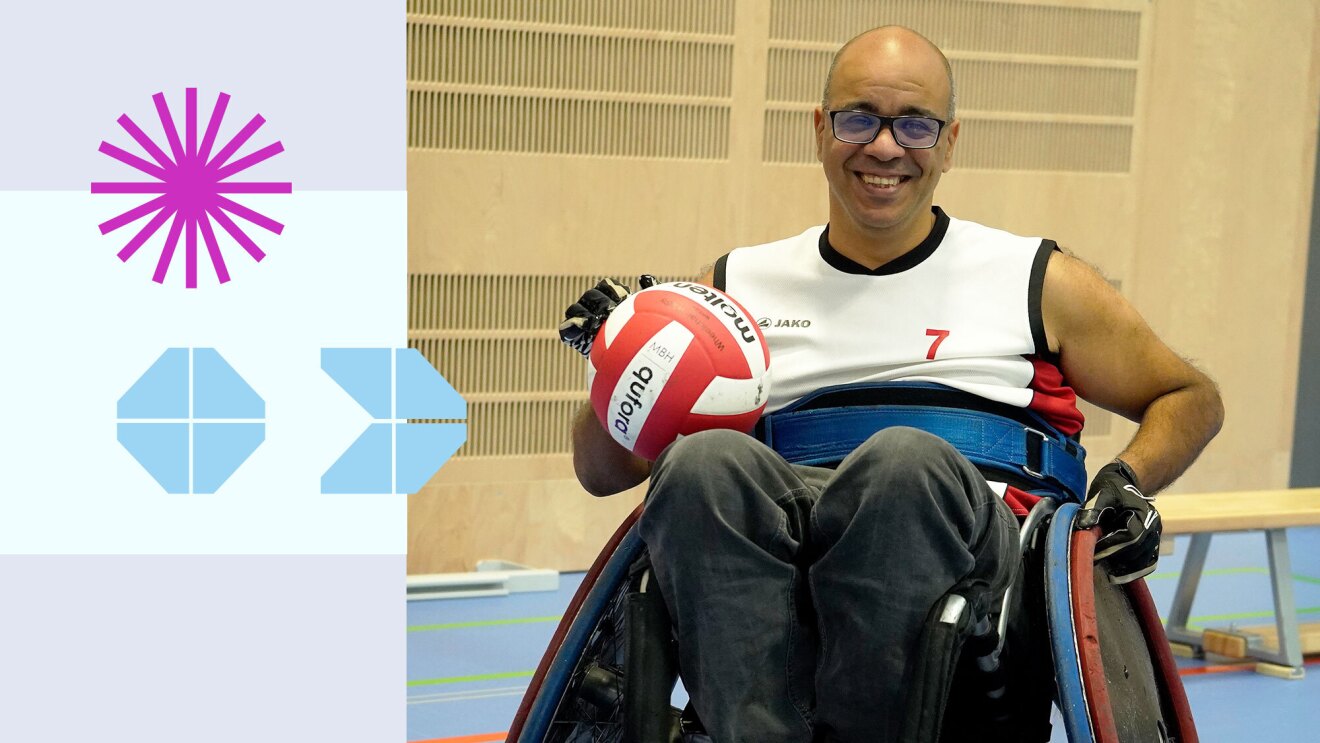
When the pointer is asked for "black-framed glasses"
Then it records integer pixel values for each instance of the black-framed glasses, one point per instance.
(911, 132)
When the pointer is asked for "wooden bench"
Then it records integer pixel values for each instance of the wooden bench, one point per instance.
(1270, 511)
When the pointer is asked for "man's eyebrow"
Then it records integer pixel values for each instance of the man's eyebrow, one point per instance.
(859, 106)
(871, 109)
(919, 111)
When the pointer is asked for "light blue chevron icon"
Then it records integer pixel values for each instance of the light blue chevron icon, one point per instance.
(393, 385)
(190, 420)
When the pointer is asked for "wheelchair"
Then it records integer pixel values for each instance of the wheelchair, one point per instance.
(611, 666)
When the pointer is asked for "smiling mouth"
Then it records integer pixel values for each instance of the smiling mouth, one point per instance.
(884, 182)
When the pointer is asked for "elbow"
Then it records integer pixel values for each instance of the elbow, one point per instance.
(601, 465)
(597, 489)
(594, 483)
(603, 485)
(1217, 413)
(1212, 405)
(589, 475)
(608, 478)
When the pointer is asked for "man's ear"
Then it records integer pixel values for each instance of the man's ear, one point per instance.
(952, 135)
(822, 123)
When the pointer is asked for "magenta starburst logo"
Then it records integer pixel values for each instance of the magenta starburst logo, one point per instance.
(192, 185)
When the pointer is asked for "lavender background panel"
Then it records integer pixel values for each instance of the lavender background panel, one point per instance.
(327, 76)
(202, 649)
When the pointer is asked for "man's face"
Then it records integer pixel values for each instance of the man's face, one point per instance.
(881, 188)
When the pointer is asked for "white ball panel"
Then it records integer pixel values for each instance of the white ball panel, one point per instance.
(643, 380)
(726, 396)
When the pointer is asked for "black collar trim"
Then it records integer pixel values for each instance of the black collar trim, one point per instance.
(908, 260)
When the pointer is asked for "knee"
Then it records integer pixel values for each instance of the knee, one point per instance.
(697, 466)
(703, 450)
(718, 488)
(906, 461)
(903, 453)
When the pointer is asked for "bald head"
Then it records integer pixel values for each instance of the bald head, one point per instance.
(890, 40)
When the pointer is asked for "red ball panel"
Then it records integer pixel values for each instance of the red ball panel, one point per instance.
(670, 413)
(710, 333)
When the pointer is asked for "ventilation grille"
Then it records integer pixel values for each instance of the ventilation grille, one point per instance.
(689, 16)
(1024, 145)
(1039, 87)
(972, 25)
(788, 137)
(441, 303)
(1045, 88)
(561, 126)
(506, 366)
(494, 338)
(798, 75)
(615, 79)
(519, 427)
(566, 61)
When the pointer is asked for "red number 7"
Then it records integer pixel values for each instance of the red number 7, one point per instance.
(939, 336)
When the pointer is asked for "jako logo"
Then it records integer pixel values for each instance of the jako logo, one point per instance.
(770, 322)
(728, 310)
(632, 401)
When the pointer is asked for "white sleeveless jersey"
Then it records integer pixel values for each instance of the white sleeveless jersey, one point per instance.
(962, 309)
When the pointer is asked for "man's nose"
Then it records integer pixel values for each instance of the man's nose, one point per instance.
(884, 146)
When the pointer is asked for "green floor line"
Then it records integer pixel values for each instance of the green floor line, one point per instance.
(485, 623)
(478, 677)
(1195, 622)
(1233, 571)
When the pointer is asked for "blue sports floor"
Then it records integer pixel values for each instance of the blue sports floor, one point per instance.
(469, 660)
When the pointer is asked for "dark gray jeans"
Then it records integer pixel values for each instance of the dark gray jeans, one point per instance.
(799, 593)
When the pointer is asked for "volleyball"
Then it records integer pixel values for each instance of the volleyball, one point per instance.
(675, 359)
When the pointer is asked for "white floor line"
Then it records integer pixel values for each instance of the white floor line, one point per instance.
(459, 696)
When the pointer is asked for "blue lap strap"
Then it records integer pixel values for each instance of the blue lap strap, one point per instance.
(827, 435)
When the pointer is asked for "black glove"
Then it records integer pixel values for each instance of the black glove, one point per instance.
(582, 320)
(1129, 542)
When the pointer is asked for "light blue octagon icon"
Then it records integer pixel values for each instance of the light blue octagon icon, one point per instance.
(191, 420)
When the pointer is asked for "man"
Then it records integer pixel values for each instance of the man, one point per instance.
(799, 592)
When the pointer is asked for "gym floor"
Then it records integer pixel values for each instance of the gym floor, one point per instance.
(469, 660)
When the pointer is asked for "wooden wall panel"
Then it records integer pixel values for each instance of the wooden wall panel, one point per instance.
(1222, 232)
(547, 523)
(1123, 129)
(502, 213)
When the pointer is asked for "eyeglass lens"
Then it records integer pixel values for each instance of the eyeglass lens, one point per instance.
(857, 127)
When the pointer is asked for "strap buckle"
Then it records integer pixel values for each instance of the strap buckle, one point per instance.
(1035, 453)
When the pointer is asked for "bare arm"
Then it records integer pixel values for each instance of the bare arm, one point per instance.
(1113, 359)
(602, 466)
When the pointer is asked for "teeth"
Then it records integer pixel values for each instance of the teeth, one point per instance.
(876, 180)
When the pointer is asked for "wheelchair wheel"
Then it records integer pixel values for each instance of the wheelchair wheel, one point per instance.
(591, 709)
(1157, 644)
(1114, 683)
(577, 692)
(1063, 641)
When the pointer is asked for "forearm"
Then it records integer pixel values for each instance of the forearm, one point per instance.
(602, 466)
(1173, 431)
